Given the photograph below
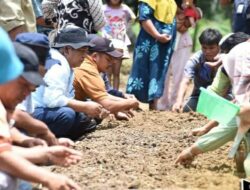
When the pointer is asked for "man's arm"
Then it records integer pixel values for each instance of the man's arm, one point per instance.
(56, 155)
(25, 121)
(17, 166)
(115, 106)
(92, 109)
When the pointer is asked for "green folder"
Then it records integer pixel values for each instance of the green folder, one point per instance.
(215, 107)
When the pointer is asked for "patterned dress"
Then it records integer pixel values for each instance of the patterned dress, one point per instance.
(151, 59)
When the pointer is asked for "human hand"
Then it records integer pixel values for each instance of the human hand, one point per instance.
(177, 107)
(49, 137)
(59, 182)
(217, 61)
(63, 156)
(104, 113)
(163, 38)
(94, 109)
(31, 142)
(65, 142)
(133, 103)
(125, 115)
(121, 116)
(185, 157)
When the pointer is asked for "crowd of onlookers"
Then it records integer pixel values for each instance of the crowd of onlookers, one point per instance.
(59, 77)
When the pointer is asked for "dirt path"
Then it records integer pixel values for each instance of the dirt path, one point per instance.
(140, 154)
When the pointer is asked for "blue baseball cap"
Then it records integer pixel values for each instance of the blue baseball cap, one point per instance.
(33, 39)
(31, 64)
(38, 42)
(10, 65)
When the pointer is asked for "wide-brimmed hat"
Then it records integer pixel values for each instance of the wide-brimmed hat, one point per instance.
(10, 66)
(73, 36)
(30, 63)
(106, 46)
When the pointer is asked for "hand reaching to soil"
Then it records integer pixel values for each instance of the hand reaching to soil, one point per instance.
(185, 157)
(104, 113)
(204, 129)
(123, 116)
(59, 182)
(31, 142)
(63, 156)
(177, 107)
(49, 137)
(199, 131)
(65, 142)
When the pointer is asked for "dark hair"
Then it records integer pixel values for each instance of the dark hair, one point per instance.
(233, 40)
(108, 2)
(210, 37)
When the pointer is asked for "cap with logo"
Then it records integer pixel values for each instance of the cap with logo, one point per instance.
(31, 64)
(10, 66)
(106, 46)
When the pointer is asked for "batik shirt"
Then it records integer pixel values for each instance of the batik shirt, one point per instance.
(75, 12)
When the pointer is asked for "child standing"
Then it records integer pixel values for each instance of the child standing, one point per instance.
(191, 12)
(118, 17)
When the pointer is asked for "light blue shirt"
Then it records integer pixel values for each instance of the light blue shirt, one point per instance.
(60, 84)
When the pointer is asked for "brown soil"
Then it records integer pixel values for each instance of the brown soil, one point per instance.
(140, 154)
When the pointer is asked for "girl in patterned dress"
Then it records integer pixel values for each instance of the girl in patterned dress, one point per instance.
(118, 17)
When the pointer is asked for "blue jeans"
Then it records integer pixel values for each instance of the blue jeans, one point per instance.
(65, 122)
(24, 185)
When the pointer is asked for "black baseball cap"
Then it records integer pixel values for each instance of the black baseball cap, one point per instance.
(104, 45)
(73, 36)
(30, 63)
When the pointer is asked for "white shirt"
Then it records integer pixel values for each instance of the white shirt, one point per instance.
(60, 84)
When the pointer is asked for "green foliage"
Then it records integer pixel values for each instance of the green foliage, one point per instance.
(223, 25)
(214, 16)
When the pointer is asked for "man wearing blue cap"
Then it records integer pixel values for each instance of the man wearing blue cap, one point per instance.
(39, 43)
(55, 104)
(14, 163)
(9, 61)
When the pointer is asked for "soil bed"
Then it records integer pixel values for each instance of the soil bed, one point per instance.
(140, 154)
